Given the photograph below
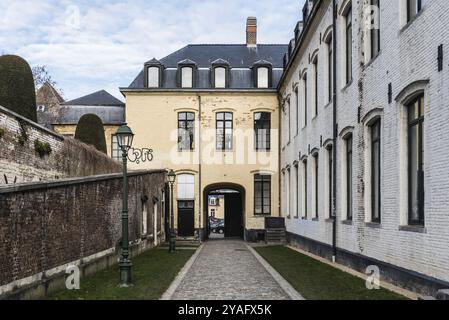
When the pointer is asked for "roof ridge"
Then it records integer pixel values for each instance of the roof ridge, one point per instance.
(231, 44)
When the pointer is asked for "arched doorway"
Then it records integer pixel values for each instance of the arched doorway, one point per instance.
(233, 210)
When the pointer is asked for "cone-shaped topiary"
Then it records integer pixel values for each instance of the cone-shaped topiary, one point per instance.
(90, 131)
(17, 91)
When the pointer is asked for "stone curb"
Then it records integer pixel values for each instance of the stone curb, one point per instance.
(287, 287)
(181, 275)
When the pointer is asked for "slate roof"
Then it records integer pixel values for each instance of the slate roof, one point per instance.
(238, 55)
(106, 106)
(241, 59)
(99, 98)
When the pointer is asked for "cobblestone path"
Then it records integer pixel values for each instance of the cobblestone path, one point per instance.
(227, 270)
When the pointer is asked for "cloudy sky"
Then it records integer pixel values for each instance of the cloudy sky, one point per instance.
(89, 45)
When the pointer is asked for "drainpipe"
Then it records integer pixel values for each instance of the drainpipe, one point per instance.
(200, 195)
(335, 133)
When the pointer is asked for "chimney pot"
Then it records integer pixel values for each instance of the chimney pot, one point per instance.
(251, 31)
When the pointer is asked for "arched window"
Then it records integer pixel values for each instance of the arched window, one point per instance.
(153, 71)
(186, 187)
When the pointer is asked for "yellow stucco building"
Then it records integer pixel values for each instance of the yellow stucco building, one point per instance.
(211, 113)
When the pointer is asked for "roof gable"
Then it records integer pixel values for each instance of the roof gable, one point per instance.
(99, 98)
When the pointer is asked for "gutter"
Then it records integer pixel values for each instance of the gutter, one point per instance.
(304, 32)
(200, 185)
(335, 129)
(179, 90)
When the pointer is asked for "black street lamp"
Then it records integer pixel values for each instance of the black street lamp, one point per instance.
(125, 138)
(171, 179)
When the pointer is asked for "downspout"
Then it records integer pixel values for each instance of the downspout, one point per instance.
(200, 195)
(279, 155)
(335, 133)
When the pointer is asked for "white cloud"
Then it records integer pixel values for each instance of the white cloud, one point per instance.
(114, 38)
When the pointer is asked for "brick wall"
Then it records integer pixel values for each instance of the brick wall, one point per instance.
(47, 225)
(69, 158)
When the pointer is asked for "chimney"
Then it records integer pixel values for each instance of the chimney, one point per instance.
(251, 32)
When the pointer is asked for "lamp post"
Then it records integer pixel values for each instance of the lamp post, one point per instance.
(172, 245)
(125, 138)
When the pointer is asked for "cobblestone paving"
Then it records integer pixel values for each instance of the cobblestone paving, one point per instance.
(226, 270)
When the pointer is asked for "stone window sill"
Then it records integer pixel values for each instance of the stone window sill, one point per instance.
(374, 225)
(372, 60)
(348, 222)
(329, 220)
(347, 86)
(315, 219)
(416, 229)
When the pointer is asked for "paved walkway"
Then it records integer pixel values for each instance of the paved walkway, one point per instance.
(227, 270)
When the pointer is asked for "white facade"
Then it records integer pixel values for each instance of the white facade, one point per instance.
(408, 60)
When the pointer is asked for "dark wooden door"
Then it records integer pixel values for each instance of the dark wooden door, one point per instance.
(233, 216)
(186, 218)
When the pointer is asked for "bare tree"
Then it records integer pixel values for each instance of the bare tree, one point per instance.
(41, 75)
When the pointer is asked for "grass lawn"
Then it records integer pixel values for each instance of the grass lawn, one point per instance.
(315, 280)
(152, 272)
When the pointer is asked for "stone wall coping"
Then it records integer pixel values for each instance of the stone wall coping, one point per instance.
(25, 187)
(31, 123)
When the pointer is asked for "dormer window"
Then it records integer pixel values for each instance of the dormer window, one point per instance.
(220, 74)
(153, 77)
(186, 74)
(153, 74)
(262, 77)
(262, 74)
(187, 77)
(220, 77)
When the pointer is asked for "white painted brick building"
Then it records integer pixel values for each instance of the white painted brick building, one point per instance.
(409, 242)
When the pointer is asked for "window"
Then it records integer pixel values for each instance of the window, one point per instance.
(305, 177)
(262, 77)
(375, 172)
(289, 116)
(416, 161)
(375, 28)
(330, 71)
(186, 131)
(144, 220)
(296, 197)
(187, 77)
(153, 77)
(262, 131)
(116, 152)
(316, 183)
(349, 46)
(262, 194)
(349, 195)
(289, 189)
(305, 101)
(330, 170)
(220, 77)
(212, 201)
(283, 193)
(186, 186)
(212, 213)
(315, 68)
(224, 127)
(297, 110)
(414, 7)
